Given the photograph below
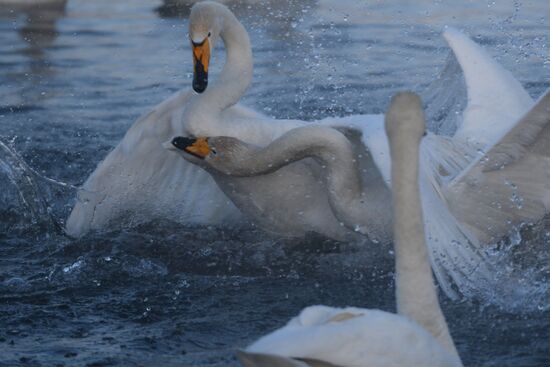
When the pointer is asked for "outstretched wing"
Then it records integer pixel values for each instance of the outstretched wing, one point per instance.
(509, 184)
(140, 180)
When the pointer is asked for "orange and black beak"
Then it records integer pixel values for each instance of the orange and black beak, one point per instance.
(201, 59)
(194, 146)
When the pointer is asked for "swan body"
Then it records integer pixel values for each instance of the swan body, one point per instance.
(348, 337)
(139, 180)
(260, 197)
(355, 337)
(230, 161)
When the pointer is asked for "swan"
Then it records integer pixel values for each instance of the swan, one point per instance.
(139, 180)
(354, 337)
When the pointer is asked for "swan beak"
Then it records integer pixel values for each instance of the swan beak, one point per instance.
(201, 60)
(195, 146)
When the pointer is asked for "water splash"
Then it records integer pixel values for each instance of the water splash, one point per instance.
(23, 200)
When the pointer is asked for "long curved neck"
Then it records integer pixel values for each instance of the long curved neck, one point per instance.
(236, 75)
(415, 290)
(328, 146)
(335, 154)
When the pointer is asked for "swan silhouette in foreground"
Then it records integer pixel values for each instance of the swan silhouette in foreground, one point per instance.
(354, 337)
(139, 180)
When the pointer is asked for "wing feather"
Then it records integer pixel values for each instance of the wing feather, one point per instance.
(509, 185)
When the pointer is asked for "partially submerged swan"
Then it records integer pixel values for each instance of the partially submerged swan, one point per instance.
(355, 337)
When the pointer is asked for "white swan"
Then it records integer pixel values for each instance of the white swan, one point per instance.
(355, 337)
(252, 178)
(139, 180)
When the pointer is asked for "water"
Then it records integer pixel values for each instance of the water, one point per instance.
(73, 81)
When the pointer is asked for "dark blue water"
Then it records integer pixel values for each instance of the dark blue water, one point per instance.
(72, 80)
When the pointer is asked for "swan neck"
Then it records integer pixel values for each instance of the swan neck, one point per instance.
(236, 74)
(416, 294)
(335, 154)
(326, 145)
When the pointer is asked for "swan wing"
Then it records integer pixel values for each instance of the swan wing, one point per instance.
(461, 265)
(139, 180)
(495, 98)
(354, 337)
(509, 184)
(455, 254)
(528, 136)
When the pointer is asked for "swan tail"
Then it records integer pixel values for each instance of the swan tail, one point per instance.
(495, 98)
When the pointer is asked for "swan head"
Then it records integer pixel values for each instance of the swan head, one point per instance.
(222, 154)
(205, 26)
(405, 118)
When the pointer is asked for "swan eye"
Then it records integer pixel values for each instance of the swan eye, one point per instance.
(209, 34)
(213, 151)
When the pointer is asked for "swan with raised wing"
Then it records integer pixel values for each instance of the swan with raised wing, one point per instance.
(354, 337)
